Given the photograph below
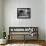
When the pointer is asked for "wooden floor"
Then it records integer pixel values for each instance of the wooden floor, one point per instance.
(40, 42)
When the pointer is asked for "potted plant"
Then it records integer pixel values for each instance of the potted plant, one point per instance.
(2, 37)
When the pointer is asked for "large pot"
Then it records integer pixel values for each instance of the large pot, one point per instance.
(3, 41)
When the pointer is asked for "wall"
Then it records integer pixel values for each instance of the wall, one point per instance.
(45, 19)
(0, 18)
(37, 15)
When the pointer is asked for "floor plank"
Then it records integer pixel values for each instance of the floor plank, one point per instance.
(27, 42)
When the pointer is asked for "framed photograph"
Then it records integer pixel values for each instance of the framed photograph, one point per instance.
(23, 13)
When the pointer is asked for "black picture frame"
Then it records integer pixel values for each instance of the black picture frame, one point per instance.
(23, 13)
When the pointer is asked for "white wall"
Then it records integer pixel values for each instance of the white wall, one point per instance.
(0, 11)
(37, 15)
(45, 19)
(0, 18)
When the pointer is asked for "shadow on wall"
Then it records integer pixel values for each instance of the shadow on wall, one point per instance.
(1, 34)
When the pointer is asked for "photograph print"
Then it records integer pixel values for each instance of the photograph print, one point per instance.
(23, 13)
